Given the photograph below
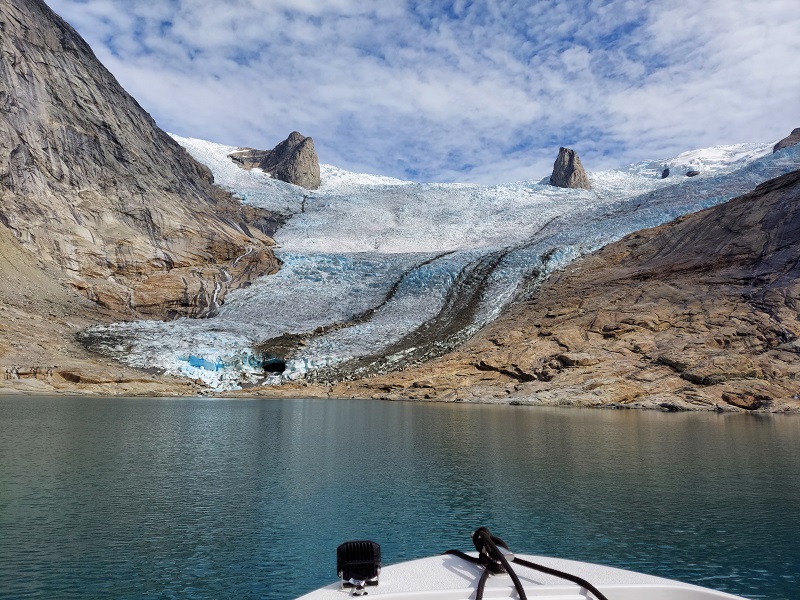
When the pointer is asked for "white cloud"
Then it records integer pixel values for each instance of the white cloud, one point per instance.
(477, 92)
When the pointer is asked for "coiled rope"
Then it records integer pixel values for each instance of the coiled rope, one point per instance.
(494, 560)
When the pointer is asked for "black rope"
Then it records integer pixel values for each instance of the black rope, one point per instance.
(568, 576)
(482, 584)
(487, 570)
(488, 544)
(494, 560)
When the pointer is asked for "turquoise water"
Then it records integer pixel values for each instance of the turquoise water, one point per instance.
(196, 498)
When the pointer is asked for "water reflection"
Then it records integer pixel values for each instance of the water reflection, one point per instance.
(154, 498)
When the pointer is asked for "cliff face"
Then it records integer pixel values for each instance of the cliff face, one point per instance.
(702, 313)
(91, 185)
(38, 320)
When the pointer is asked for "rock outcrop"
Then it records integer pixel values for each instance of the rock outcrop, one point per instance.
(39, 354)
(294, 161)
(568, 171)
(790, 140)
(700, 314)
(92, 187)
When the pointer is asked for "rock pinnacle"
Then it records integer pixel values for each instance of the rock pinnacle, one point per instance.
(568, 171)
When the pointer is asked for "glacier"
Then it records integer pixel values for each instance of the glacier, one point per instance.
(380, 273)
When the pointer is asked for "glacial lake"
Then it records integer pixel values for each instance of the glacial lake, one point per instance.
(199, 498)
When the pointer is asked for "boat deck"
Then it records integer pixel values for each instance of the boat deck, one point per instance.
(448, 577)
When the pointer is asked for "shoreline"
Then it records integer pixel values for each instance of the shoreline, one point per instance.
(174, 388)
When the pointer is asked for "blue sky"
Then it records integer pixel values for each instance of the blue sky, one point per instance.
(482, 91)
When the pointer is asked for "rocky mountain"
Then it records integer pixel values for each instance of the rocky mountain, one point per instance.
(700, 314)
(568, 171)
(102, 196)
(294, 160)
(790, 140)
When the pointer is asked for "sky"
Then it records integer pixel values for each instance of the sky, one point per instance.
(467, 91)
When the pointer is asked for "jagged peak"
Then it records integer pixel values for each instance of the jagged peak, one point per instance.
(568, 171)
(294, 161)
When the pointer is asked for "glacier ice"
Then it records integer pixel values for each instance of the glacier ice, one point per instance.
(379, 273)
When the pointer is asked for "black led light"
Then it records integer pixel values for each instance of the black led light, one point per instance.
(358, 564)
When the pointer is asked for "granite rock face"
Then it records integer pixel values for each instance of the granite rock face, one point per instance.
(38, 351)
(294, 161)
(699, 314)
(92, 187)
(568, 171)
(790, 140)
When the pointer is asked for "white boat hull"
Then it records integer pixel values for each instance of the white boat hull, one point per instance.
(448, 577)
